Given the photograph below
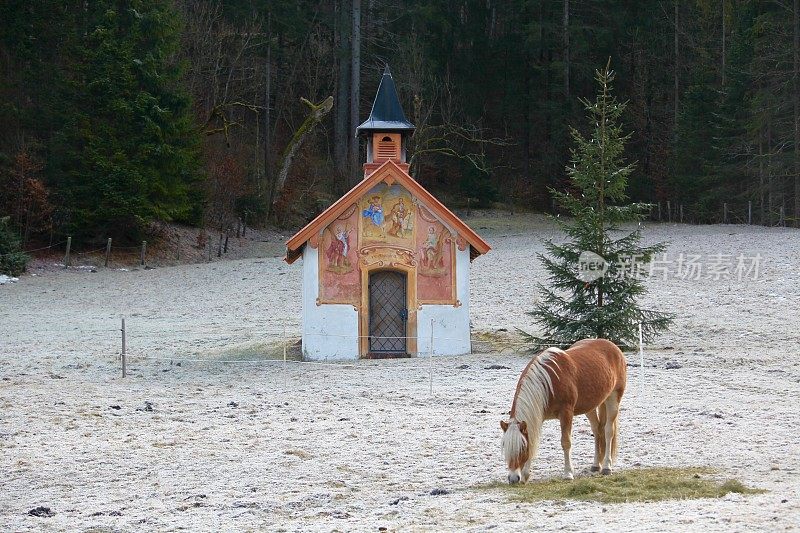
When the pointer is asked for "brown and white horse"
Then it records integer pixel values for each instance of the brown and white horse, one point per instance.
(587, 378)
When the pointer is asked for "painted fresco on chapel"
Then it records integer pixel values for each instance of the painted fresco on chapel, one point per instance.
(436, 260)
(340, 279)
(385, 229)
(387, 216)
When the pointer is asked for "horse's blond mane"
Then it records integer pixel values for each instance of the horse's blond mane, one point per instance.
(534, 390)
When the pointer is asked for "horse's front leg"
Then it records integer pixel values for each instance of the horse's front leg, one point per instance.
(566, 442)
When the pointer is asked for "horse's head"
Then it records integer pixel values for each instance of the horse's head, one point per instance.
(515, 447)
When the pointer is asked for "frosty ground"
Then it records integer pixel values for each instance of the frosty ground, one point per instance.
(363, 446)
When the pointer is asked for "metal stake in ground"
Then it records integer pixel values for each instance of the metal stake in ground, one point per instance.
(284, 356)
(641, 361)
(124, 356)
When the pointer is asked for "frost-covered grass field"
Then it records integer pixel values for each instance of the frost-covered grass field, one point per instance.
(256, 446)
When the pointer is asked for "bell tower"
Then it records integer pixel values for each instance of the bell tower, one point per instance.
(386, 129)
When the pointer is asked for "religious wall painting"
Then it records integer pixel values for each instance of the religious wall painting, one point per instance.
(436, 260)
(433, 251)
(340, 280)
(387, 216)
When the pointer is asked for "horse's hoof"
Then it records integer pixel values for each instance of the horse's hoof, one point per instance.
(606, 471)
(594, 469)
(569, 476)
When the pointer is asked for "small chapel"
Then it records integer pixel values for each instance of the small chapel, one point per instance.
(386, 267)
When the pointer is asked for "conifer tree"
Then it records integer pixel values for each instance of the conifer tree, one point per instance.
(129, 151)
(13, 260)
(596, 276)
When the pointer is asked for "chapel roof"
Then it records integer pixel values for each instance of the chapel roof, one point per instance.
(390, 173)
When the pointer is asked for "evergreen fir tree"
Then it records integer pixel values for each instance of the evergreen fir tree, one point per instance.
(582, 302)
(13, 260)
(129, 151)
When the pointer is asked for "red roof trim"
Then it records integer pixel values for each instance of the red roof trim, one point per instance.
(386, 170)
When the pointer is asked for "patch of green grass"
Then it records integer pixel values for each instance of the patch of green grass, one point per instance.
(634, 485)
(496, 341)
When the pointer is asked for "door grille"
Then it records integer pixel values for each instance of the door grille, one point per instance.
(387, 312)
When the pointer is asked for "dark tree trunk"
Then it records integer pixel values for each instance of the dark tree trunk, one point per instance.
(342, 131)
(761, 184)
(677, 66)
(355, 72)
(566, 49)
(724, 51)
(796, 106)
(268, 163)
(770, 180)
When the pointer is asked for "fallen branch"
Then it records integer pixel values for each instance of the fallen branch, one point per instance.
(316, 113)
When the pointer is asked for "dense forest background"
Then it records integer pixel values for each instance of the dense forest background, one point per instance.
(117, 113)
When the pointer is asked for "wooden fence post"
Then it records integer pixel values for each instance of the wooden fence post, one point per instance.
(641, 361)
(66, 256)
(749, 212)
(430, 361)
(285, 343)
(669, 211)
(124, 355)
(681, 207)
(108, 251)
(143, 258)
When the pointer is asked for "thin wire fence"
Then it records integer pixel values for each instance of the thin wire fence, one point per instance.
(35, 249)
(144, 330)
(283, 343)
(280, 349)
(107, 252)
(736, 212)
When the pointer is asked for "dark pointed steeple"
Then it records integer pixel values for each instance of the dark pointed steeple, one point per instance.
(387, 113)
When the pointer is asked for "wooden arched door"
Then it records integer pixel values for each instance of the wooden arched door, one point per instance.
(388, 315)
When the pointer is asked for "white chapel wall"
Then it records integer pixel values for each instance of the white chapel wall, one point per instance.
(329, 331)
(451, 334)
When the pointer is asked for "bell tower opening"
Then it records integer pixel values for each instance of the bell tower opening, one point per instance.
(386, 147)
